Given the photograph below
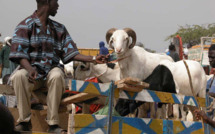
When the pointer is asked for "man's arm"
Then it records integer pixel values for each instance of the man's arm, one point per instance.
(201, 114)
(80, 57)
(100, 59)
(32, 72)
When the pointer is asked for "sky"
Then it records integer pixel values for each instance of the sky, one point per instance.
(87, 21)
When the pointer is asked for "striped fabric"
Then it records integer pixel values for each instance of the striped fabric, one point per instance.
(43, 48)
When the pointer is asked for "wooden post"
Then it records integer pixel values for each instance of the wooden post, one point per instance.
(110, 109)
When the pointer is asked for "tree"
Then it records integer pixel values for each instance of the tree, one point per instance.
(191, 34)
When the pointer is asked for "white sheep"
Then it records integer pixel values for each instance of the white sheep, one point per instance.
(135, 61)
(68, 69)
(181, 79)
(101, 71)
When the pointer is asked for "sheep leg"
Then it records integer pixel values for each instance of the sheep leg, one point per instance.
(159, 111)
(167, 111)
(183, 112)
(189, 116)
(164, 111)
(192, 115)
(142, 110)
(176, 111)
(132, 115)
(170, 110)
(152, 110)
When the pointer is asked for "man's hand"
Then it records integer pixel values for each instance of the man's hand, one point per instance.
(32, 75)
(201, 114)
(32, 72)
(101, 59)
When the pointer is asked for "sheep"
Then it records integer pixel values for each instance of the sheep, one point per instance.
(68, 69)
(101, 71)
(135, 61)
(181, 80)
(173, 75)
(104, 74)
(140, 64)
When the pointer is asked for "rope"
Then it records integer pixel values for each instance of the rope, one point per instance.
(102, 73)
(191, 86)
(114, 61)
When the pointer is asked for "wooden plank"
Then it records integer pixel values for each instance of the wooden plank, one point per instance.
(130, 88)
(131, 84)
(86, 123)
(77, 98)
(129, 80)
(6, 89)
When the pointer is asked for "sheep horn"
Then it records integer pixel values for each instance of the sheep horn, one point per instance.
(108, 36)
(131, 33)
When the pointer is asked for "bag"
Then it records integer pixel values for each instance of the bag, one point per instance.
(104, 111)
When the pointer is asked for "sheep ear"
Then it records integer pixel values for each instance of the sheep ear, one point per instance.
(108, 36)
(132, 34)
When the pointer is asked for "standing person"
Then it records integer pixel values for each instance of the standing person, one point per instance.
(102, 49)
(5, 63)
(211, 86)
(185, 53)
(173, 53)
(37, 45)
(167, 51)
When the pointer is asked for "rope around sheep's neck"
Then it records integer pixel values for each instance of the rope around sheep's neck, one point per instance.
(119, 59)
(191, 86)
(102, 73)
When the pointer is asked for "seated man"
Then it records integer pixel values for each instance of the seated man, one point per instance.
(37, 45)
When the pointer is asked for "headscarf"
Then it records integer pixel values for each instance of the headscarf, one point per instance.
(6, 40)
(103, 50)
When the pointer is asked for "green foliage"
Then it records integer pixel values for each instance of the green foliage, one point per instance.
(191, 34)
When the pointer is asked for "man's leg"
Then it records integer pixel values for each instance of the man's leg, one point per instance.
(56, 87)
(23, 89)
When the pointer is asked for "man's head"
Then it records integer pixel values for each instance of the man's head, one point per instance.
(171, 47)
(211, 55)
(52, 6)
